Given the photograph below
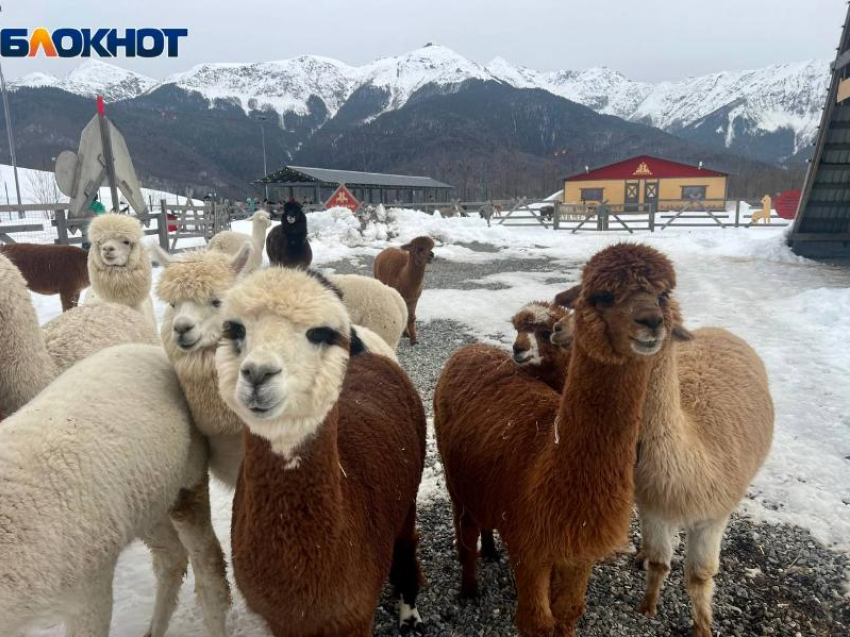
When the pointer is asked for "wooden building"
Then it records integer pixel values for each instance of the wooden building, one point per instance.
(646, 179)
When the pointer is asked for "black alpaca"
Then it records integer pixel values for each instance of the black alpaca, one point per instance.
(287, 243)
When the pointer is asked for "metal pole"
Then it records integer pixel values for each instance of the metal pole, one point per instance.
(11, 140)
(108, 158)
(265, 167)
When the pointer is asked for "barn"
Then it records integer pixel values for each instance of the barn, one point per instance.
(648, 180)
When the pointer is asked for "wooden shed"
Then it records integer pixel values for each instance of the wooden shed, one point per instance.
(645, 179)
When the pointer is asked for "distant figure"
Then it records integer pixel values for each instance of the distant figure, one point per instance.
(251, 205)
(95, 209)
(287, 243)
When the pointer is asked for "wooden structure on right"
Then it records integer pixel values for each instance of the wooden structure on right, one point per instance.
(822, 227)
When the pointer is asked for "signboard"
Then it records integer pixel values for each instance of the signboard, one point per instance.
(786, 203)
(342, 198)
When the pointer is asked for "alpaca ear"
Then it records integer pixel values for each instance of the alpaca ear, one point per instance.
(357, 346)
(681, 334)
(407, 246)
(240, 261)
(568, 298)
(158, 255)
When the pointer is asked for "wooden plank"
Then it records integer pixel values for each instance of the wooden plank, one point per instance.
(31, 227)
(34, 207)
(814, 236)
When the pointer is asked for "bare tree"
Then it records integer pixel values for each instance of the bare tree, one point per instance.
(42, 187)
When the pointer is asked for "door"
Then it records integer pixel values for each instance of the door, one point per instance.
(651, 193)
(632, 198)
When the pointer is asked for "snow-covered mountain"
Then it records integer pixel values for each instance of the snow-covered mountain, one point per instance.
(92, 78)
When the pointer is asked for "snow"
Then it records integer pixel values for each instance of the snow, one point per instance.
(793, 311)
(93, 78)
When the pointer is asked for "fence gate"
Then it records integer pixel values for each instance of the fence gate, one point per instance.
(525, 213)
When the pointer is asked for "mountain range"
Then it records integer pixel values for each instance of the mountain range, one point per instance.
(368, 116)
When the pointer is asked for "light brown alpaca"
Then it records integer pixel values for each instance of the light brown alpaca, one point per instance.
(404, 269)
(325, 505)
(533, 348)
(707, 429)
(555, 476)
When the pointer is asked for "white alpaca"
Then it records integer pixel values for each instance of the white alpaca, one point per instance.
(373, 305)
(119, 264)
(230, 242)
(78, 484)
(30, 358)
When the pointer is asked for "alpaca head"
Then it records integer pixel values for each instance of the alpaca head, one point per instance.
(534, 324)
(261, 218)
(421, 250)
(194, 286)
(283, 357)
(624, 309)
(293, 219)
(115, 241)
(562, 332)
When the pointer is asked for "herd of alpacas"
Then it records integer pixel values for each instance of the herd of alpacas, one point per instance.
(283, 384)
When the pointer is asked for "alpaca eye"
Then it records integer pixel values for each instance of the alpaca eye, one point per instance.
(664, 297)
(126, 242)
(545, 335)
(234, 331)
(173, 304)
(322, 335)
(216, 303)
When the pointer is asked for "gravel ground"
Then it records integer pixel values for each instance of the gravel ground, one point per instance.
(773, 580)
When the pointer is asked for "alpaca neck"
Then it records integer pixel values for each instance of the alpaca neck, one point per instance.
(258, 235)
(664, 422)
(123, 285)
(413, 272)
(553, 370)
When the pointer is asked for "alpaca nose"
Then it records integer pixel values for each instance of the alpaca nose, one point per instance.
(109, 248)
(559, 327)
(650, 318)
(181, 326)
(257, 374)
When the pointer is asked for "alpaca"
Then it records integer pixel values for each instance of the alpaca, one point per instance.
(78, 485)
(533, 348)
(486, 212)
(30, 358)
(374, 305)
(231, 242)
(558, 506)
(51, 269)
(764, 213)
(707, 429)
(404, 269)
(325, 507)
(287, 243)
(119, 264)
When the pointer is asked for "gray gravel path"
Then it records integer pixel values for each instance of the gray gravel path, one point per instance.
(774, 579)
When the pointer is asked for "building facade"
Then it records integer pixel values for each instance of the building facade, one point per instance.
(646, 179)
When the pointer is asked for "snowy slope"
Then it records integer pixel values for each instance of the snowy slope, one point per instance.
(34, 80)
(92, 78)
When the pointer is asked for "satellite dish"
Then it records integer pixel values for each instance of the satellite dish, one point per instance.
(66, 168)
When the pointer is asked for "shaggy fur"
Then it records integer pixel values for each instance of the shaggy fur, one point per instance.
(51, 269)
(230, 242)
(194, 285)
(533, 348)
(127, 281)
(373, 343)
(555, 477)
(78, 485)
(31, 357)
(404, 269)
(287, 243)
(374, 305)
(325, 507)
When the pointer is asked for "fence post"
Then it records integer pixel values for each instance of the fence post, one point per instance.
(162, 229)
(62, 228)
(556, 215)
(652, 216)
(737, 211)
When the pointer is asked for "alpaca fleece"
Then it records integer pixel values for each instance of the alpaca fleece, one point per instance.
(404, 269)
(537, 320)
(287, 243)
(230, 242)
(51, 269)
(103, 455)
(373, 305)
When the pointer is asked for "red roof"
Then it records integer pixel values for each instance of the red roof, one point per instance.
(645, 167)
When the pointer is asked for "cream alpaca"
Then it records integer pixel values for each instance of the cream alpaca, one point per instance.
(373, 305)
(231, 242)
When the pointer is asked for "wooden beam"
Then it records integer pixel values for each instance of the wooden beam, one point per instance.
(841, 61)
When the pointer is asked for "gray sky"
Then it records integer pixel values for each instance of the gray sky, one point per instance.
(647, 40)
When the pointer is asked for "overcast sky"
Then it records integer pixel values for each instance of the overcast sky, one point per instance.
(649, 40)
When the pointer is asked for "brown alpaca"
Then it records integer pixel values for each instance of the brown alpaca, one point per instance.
(555, 475)
(51, 269)
(325, 505)
(533, 348)
(404, 269)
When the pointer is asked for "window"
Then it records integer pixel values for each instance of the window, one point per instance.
(591, 194)
(693, 193)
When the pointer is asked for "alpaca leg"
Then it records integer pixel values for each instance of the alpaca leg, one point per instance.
(411, 326)
(466, 536)
(406, 577)
(488, 546)
(192, 519)
(69, 299)
(657, 545)
(169, 567)
(95, 610)
(569, 587)
(533, 612)
(701, 565)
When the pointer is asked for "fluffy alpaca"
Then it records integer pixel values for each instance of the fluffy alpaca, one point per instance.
(374, 343)
(78, 485)
(287, 243)
(194, 285)
(119, 264)
(533, 347)
(31, 357)
(231, 242)
(555, 476)
(51, 269)
(404, 269)
(325, 507)
(373, 305)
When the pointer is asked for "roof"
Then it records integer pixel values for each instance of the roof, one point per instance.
(302, 176)
(822, 226)
(644, 167)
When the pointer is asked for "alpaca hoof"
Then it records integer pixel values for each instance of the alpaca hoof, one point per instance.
(640, 560)
(412, 629)
(470, 591)
(702, 631)
(648, 608)
(491, 556)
